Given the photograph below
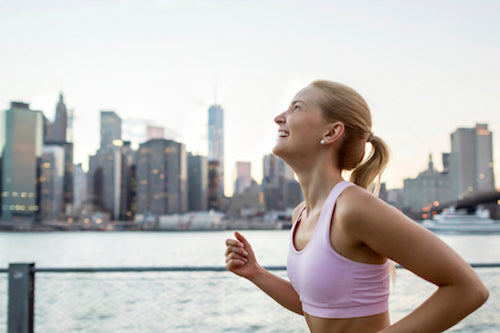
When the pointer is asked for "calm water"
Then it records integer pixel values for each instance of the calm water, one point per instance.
(191, 302)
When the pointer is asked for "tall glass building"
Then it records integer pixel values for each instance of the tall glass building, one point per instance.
(161, 177)
(471, 161)
(216, 141)
(21, 141)
(111, 128)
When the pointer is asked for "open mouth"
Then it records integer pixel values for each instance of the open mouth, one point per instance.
(282, 134)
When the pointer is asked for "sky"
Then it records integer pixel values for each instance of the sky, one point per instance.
(425, 68)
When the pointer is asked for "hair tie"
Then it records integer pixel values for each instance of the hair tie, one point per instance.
(371, 137)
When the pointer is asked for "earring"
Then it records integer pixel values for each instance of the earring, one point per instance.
(322, 141)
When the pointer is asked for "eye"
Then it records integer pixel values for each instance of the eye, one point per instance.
(296, 107)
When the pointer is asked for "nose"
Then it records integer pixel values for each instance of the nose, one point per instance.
(280, 119)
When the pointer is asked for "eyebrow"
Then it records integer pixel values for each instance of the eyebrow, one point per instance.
(298, 100)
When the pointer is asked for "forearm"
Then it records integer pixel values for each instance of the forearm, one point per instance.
(446, 307)
(279, 289)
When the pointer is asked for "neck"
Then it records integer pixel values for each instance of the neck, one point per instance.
(317, 180)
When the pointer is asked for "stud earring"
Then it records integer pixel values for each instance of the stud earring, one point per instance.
(322, 141)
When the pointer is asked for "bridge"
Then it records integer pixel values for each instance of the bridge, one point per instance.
(490, 201)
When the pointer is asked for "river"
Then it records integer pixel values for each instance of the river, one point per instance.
(72, 302)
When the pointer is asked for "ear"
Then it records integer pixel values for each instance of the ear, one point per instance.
(334, 133)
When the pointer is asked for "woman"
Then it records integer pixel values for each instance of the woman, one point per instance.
(343, 236)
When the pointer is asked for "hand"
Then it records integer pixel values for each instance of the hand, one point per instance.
(240, 258)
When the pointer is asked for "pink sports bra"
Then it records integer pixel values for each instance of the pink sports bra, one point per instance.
(329, 284)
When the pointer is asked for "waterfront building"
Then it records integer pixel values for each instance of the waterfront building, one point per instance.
(128, 182)
(216, 143)
(21, 141)
(250, 202)
(60, 125)
(161, 177)
(215, 201)
(111, 128)
(105, 180)
(52, 183)
(80, 186)
(60, 133)
(281, 190)
(243, 176)
(471, 161)
(105, 167)
(429, 188)
(197, 167)
(155, 132)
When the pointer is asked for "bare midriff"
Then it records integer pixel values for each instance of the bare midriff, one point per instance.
(369, 324)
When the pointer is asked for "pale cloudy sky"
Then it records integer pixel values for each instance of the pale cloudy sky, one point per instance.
(424, 67)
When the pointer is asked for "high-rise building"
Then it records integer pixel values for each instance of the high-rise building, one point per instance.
(197, 167)
(80, 186)
(51, 183)
(243, 176)
(105, 180)
(60, 126)
(59, 133)
(216, 141)
(128, 182)
(215, 200)
(111, 128)
(281, 190)
(161, 177)
(105, 167)
(21, 141)
(429, 188)
(471, 161)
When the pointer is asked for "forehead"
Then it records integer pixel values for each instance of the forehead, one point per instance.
(308, 94)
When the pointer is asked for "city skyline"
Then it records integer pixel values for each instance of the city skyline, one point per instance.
(423, 72)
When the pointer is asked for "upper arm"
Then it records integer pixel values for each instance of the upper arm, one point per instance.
(393, 235)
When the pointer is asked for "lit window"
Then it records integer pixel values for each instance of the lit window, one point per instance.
(14, 194)
(46, 165)
(24, 194)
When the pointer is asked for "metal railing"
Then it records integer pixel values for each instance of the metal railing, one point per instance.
(182, 299)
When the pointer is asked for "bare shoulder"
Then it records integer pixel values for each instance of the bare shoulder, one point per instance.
(362, 212)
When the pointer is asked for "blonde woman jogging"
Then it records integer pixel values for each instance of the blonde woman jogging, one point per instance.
(344, 237)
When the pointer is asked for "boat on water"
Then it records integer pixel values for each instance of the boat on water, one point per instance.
(452, 220)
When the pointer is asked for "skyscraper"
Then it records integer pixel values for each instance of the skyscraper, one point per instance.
(105, 168)
(21, 141)
(60, 125)
(51, 183)
(281, 190)
(216, 141)
(58, 133)
(471, 161)
(243, 176)
(161, 177)
(111, 128)
(197, 167)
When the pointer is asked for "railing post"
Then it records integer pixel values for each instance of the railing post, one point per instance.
(21, 298)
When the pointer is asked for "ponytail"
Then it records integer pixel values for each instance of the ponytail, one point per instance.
(368, 171)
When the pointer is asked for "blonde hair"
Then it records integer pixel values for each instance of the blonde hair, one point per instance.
(344, 104)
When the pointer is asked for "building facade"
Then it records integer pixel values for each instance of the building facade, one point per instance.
(471, 161)
(111, 128)
(52, 184)
(21, 142)
(280, 188)
(216, 142)
(197, 167)
(161, 177)
(243, 176)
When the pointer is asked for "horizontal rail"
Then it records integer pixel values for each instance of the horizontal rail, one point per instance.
(176, 269)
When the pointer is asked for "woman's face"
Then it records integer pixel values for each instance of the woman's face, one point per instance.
(301, 126)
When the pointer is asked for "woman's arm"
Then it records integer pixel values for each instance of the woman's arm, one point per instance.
(391, 234)
(240, 259)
